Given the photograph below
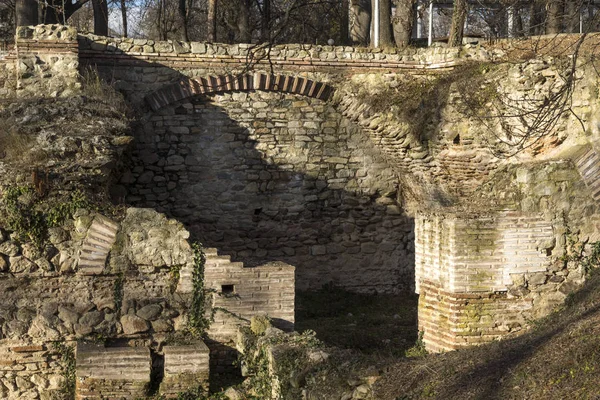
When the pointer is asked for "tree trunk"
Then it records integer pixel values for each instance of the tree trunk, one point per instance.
(344, 22)
(403, 21)
(100, 17)
(385, 23)
(266, 21)
(553, 16)
(244, 22)
(360, 21)
(518, 18)
(124, 17)
(572, 10)
(459, 16)
(26, 12)
(536, 18)
(212, 21)
(183, 17)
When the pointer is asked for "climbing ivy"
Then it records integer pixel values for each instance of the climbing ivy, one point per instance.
(22, 217)
(118, 292)
(198, 322)
(29, 215)
(67, 362)
(289, 362)
(587, 255)
(65, 210)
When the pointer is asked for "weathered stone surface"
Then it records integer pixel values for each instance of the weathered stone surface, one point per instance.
(133, 324)
(92, 318)
(67, 315)
(21, 264)
(150, 312)
(9, 248)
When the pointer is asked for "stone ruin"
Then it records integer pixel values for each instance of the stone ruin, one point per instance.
(127, 285)
(488, 236)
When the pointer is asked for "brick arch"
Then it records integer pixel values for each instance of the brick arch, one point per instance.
(227, 83)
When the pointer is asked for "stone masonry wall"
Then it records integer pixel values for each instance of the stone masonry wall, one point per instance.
(129, 293)
(47, 60)
(264, 176)
(139, 66)
(8, 75)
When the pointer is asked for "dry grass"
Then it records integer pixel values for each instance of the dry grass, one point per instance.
(559, 359)
(17, 147)
(94, 87)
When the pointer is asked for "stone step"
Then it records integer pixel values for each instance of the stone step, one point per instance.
(211, 251)
(213, 259)
(218, 259)
(588, 165)
(99, 240)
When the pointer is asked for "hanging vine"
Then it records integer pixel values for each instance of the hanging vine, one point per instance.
(198, 322)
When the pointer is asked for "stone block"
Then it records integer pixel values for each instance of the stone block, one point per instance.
(185, 367)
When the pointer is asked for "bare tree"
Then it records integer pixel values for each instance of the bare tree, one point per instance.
(100, 17)
(553, 16)
(266, 20)
(212, 21)
(459, 16)
(403, 21)
(360, 21)
(344, 22)
(26, 12)
(244, 21)
(572, 12)
(124, 17)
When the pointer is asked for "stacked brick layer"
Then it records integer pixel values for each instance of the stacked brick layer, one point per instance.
(185, 367)
(465, 266)
(122, 372)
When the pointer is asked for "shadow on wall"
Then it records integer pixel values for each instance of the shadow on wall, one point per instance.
(266, 176)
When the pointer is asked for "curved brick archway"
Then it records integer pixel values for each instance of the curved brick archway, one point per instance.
(247, 82)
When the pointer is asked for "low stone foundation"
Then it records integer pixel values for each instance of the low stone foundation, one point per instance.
(186, 367)
(454, 320)
(122, 372)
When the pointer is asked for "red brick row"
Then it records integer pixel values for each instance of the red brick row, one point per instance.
(227, 83)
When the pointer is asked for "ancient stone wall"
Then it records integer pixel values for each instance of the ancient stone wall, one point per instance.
(134, 292)
(47, 60)
(139, 66)
(8, 76)
(264, 176)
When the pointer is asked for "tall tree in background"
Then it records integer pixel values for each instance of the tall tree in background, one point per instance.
(184, 10)
(243, 24)
(100, 17)
(553, 16)
(360, 21)
(212, 21)
(26, 12)
(266, 20)
(459, 17)
(536, 18)
(123, 7)
(572, 12)
(385, 22)
(344, 22)
(403, 21)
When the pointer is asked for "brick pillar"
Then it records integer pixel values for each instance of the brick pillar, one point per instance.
(465, 266)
